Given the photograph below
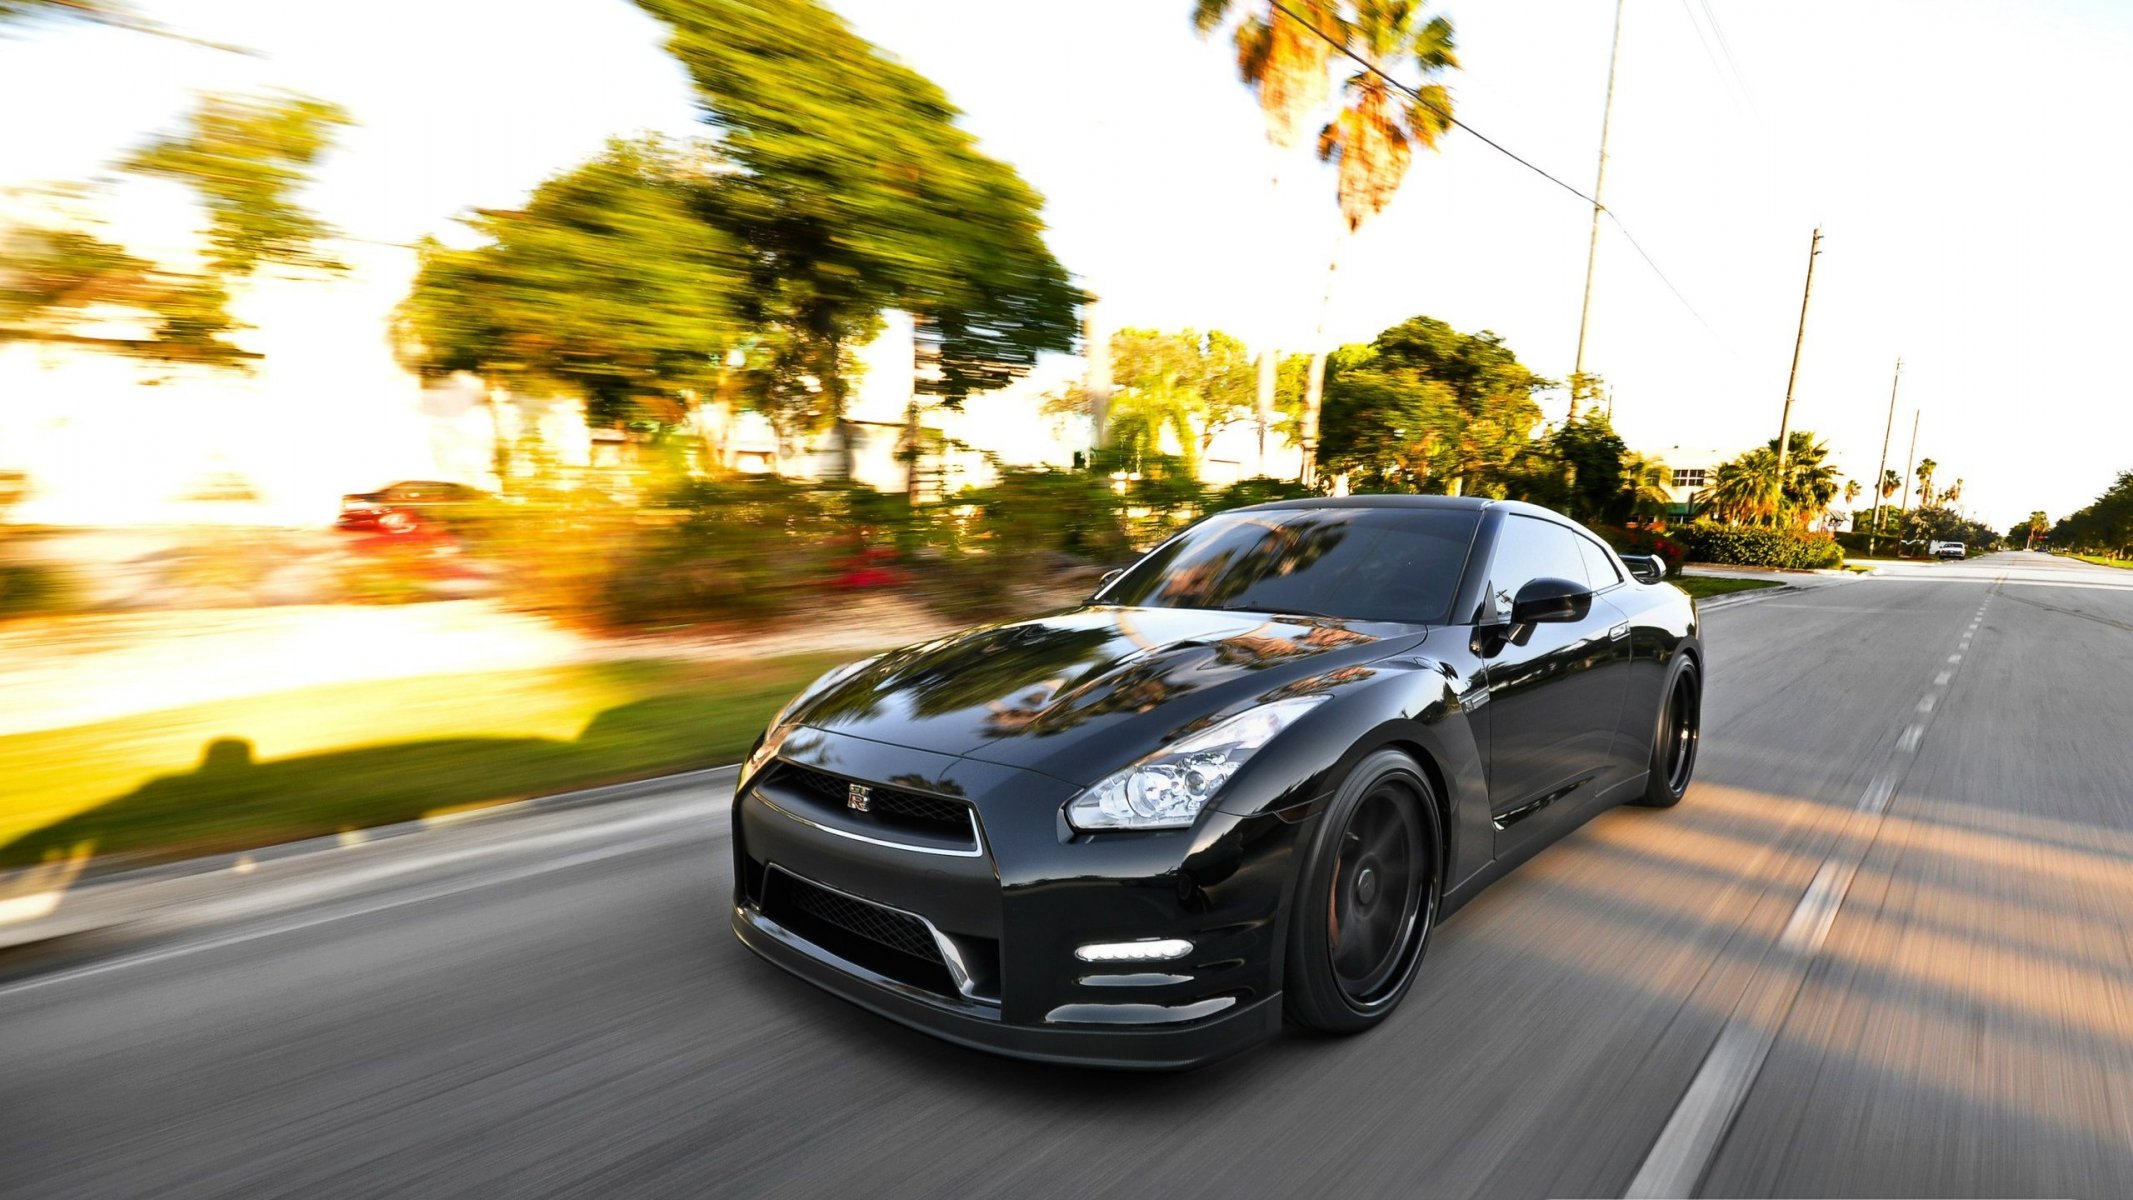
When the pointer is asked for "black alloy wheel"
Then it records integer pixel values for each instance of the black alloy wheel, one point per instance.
(1680, 731)
(1368, 898)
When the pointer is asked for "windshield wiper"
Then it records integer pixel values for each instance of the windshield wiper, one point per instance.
(1281, 612)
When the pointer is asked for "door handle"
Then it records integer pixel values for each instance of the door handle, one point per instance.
(1618, 632)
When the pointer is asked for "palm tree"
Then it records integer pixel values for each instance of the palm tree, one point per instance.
(1810, 484)
(1891, 482)
(1139, 417)
(1851, 492)
(1373, 139)
(1926, 467)
(1646, 481)
(1282, 58)
(1744, 490)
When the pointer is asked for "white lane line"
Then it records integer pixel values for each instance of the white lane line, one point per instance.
(1955, 658)
(1684, 1150)
(1909, 741)
(1925, 702)
(1941, 680)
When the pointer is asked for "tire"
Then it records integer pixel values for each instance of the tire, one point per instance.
(1373, 871)
(1675, 742)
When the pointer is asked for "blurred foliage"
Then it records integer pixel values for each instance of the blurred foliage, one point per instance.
(1187, 384)
(35, 590)
(863, 196)
(605, 285)
(2105, 525)
(753, 549)
(245, 158)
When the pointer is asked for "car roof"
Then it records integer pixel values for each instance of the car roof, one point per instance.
(1439, 503)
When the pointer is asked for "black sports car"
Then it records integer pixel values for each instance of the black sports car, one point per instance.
(1244, 781)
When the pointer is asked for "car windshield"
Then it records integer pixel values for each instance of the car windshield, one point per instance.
(1369, 564)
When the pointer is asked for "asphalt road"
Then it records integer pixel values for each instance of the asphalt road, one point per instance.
(1881, 949)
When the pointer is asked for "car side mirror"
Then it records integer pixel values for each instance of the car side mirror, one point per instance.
(1648, 568)
(1110, 577)
(1551, 600)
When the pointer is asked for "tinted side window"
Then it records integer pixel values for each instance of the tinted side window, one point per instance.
(1599, 564)
(1528, 549)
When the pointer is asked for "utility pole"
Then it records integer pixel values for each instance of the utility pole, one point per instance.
(1599, 181)
(1883, 470)
(1905, 512)
(1814, 248)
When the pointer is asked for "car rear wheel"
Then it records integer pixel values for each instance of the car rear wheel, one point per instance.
(1680, 730)
(1368, 898)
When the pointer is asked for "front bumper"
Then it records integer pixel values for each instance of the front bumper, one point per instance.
(1008, 913)
(1131, 1047)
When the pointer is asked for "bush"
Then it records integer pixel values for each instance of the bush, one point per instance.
(34, 590)
(1645, 541)
(1257, 490)
(1747, 546)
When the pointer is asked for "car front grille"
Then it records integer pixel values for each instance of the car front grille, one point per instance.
(884, 940)
(883, 926)
(889, 806)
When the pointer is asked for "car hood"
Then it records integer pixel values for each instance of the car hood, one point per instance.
(1080, 694)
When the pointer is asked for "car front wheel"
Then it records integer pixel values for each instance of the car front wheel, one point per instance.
(1367, 899)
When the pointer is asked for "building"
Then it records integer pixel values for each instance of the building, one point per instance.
(1691, 469)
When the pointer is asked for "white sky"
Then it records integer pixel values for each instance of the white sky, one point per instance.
(1966, 160)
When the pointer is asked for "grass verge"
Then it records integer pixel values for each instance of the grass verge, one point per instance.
(236, 774)
(1700, 586)
(2105, 561)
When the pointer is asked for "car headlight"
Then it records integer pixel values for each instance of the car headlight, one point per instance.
(1167, 789)
(770, 741)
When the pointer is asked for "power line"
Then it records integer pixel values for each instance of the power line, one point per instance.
(1718, 69)
(1649, 262)
(1725, 47)
(1441, 111)
(1506, 151)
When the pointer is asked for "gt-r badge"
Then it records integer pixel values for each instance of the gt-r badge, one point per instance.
(858, 797)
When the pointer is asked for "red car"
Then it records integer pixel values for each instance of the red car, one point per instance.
(409, 506)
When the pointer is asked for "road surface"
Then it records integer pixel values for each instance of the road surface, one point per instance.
(1881, 949)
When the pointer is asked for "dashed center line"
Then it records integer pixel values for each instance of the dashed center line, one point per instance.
(1686, 1146)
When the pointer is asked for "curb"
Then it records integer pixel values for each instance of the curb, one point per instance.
(72, 907)
(1748, 597)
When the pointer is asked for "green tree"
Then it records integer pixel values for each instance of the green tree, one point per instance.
(1426, 408)
(246, 159)
(855, 191)
(1191, 383)
(2105, 525)
(1647, 484)
(1373, 138)
(535, 306)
